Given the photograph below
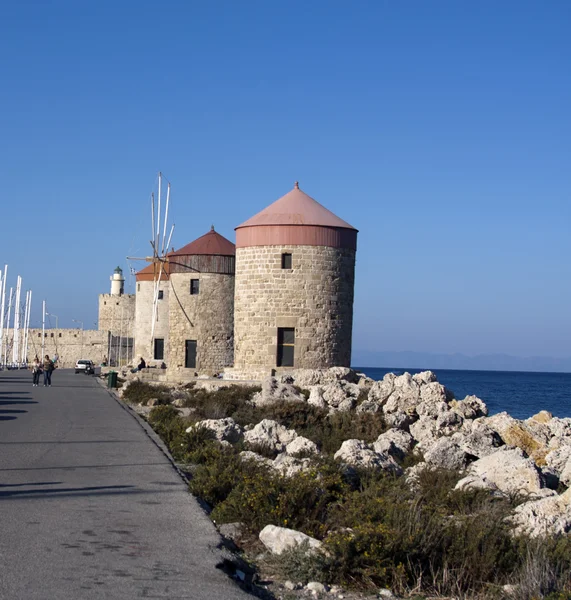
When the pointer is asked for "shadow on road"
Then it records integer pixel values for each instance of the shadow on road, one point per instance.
(75, 491)
(72, 468)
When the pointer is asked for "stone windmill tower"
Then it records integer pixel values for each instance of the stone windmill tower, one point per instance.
(295, 274)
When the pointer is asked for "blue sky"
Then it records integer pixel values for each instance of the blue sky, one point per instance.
(441, 130)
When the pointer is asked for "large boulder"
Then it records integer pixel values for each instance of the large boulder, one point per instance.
(358, 454)
(432, 393)
(278, 539)
(305, 378)
(394, 442)
(560, 429)
(559, 461)
(424, 377)
(405, 395)
(469, 408)
(532, 438)
(477, 439)
(425, 433)
(507, 470)
(270, 434)
(290, 465)
(224, 430)
(249, 456)
(446, 454)
(276, 391)
(337, 396)
(301, 445)
(545, 517)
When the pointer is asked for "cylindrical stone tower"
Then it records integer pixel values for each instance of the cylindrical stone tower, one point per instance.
(152, 343)
(295, 274)
(201, 305)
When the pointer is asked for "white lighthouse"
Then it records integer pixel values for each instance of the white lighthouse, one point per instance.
(117, 282)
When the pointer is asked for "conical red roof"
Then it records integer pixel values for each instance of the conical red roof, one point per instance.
(296, 208)
(210, 243)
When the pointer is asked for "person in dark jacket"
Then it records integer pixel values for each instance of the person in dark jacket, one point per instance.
(142, 364)
(48, 369)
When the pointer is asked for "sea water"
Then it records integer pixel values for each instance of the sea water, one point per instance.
(519, 394)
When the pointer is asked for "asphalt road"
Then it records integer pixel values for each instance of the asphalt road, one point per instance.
(90, 507)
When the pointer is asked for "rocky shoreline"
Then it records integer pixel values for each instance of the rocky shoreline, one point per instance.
(425, 430)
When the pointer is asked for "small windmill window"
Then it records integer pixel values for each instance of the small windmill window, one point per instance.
(194, 286)
(286, 344)
(160, 294)
(286, 260)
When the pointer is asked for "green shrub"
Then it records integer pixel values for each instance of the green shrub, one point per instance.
(167, 422)
(139, 392)
(301, 502)
(229, 401)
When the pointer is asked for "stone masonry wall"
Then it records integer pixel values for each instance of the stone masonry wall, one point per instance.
(117, 314)
(69, 344)
(143, 320)
(315, 297)
(206, 317)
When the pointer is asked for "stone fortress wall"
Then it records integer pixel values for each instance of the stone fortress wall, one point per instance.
(206, 317)
(315, 297)
(69, 344)
(117, 314)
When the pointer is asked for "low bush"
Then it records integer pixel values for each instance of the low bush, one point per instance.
(139, 392)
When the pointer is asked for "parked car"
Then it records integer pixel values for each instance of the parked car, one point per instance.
(84, 366)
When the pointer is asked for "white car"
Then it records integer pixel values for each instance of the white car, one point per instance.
(84, 366)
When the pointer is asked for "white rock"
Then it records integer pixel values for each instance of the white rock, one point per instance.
(405, 395)
(469, 408)
(301, 445)
(305, 378)
(290, 465)
(277, 539)
(341, 396)
(275, 391)
(271, 434)
(559, 460)
(394, 442)
(425, 433)
(316, 397)
(254, 457)
(479, 441)
(356, 453)
(433, 393)
(223, 429)
(316, 587)
(561, 429)
(548, 516)
(400, 420)
(424, 377)
(446, 454)
(381, 390)
(509, 471)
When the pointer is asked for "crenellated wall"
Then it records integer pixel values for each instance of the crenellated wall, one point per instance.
(69, 344)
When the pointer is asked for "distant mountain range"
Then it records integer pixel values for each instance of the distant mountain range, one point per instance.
(481, 362)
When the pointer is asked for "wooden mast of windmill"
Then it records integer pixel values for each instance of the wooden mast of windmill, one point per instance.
(159, 245)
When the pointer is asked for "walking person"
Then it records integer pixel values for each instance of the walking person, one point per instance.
(48, 368)
(36, 370)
